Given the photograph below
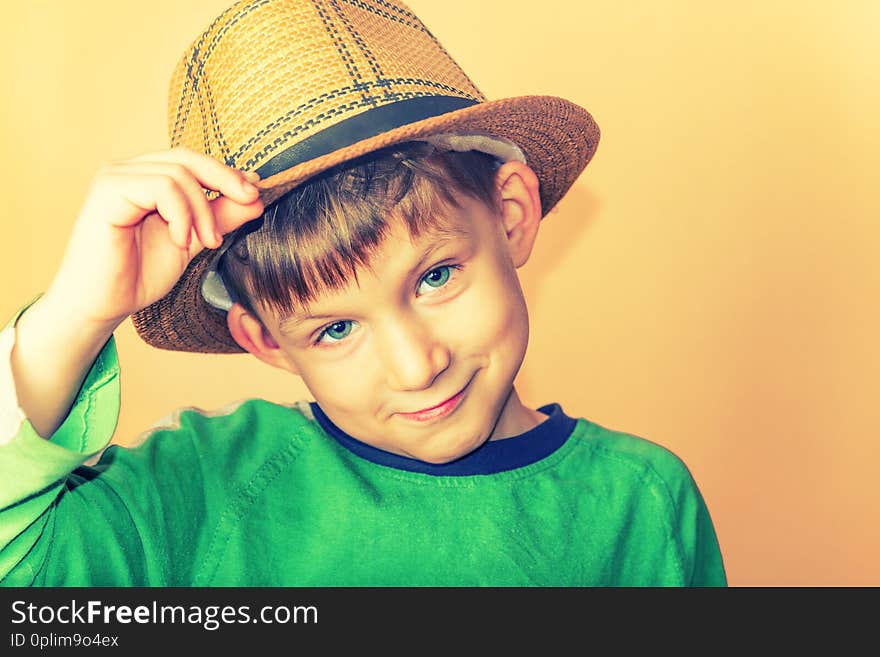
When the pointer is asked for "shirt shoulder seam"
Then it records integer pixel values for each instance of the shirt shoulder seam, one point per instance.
(640, 464)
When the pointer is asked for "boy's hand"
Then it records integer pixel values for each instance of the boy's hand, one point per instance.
(143, 221)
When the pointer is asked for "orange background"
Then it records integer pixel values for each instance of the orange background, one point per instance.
(710, 283)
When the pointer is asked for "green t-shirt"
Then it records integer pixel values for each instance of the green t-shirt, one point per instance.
(264, 494)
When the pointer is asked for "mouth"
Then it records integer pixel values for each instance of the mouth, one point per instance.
(440, 410)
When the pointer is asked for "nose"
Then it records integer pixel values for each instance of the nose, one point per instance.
(412, 354)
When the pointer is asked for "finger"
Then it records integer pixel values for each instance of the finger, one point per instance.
(231, 215)
(204, 224)
(127, 199)
(173, 206)
(211, 173)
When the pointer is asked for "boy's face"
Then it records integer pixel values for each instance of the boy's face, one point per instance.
(435, 320)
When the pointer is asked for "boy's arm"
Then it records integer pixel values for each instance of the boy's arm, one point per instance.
(127, 520)
(142, 222)
(52, 351)
(33, 470)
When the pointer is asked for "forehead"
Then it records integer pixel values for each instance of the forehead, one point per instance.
(406, 248)
(448, 225)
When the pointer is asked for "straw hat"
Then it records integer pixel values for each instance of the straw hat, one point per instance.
(291, 88)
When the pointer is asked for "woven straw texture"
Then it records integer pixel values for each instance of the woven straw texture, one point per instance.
(267, 75)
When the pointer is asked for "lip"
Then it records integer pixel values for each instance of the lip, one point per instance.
(440, 410)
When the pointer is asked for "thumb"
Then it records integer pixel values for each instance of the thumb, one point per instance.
(228, 215)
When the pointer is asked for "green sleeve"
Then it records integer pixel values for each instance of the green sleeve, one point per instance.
(144, 515)
(701, 555)
(33, 470)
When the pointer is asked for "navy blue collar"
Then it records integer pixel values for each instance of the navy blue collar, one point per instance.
(490, 457)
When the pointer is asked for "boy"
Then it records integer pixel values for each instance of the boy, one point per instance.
(378, 262)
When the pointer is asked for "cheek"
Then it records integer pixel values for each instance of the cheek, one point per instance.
(515, 330)
(516, 315)
(497, 318)
(335, 388)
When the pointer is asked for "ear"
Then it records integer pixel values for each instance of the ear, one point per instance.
(519, 192)
(252, 336)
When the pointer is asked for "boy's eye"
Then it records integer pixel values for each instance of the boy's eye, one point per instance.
(336, 331)
(439, 276)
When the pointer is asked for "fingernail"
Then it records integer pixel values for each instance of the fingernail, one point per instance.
(248, 187)
(253, 176)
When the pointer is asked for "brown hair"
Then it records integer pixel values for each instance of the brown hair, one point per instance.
(314, 238)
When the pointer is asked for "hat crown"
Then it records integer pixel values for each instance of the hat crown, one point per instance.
(269, 74)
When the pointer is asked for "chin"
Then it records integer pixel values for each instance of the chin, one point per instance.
(437, 460)
(441, 459)
(451, 453)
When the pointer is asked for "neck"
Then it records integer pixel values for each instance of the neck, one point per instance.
(515, 418)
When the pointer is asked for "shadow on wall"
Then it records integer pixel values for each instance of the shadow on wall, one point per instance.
(561, 230)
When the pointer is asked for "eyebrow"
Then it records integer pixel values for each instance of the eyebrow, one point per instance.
(438, 238)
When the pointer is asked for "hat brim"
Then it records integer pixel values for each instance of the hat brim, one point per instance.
(558, 138)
